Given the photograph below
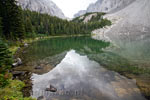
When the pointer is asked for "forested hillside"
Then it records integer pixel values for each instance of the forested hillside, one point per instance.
(93, 20)
(44, 24)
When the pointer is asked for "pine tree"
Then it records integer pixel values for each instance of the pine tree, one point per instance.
(12, 19)
(52, 29)
(28, 26)
(5, 57)
(17, 23)
(5, 64)
(0, 27)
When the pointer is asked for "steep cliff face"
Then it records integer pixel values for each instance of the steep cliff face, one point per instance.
(42, 6)
(107, 6)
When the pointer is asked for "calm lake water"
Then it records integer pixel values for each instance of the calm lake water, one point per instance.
(70, 65)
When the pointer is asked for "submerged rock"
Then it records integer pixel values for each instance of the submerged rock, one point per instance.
(18, 73)
(41, 98)
(38, 67)
(51, 89)
(26, 44)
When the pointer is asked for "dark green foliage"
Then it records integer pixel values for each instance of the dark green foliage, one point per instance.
(45, 24)
(99, 17)
(5, 57)
(96, 18)
(11, 19)
(13, 91)
(53, 46)
(9, 89)
(18, 27)
(49, 25)
(0, 27)
(5, 64)
(95, 22)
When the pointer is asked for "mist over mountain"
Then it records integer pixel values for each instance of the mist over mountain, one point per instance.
(42, 6)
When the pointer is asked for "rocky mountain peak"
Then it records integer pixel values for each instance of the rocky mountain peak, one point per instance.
(42, 6)
(108, 6)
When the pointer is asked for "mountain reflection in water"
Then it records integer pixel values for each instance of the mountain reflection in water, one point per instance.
(78, 78)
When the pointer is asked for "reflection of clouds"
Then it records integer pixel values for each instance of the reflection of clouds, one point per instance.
(78, 74)
(61, 92)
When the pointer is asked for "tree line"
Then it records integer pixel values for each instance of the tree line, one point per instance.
(44, 24)
(36, 23)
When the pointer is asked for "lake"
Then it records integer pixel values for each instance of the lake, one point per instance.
(74, 66)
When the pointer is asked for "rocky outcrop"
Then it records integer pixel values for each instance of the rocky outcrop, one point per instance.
(42, 6)
(89, 17)
(18, 62)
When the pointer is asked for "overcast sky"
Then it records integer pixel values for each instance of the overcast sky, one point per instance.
(70, 7)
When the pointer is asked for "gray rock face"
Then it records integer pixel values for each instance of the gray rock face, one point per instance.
(131, 22)
(130, 30)
(106, 6)
(82, 12)
(42, 6)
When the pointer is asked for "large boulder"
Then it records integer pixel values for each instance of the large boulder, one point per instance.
(17, 63)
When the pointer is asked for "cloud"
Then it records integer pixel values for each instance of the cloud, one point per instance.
(70, 7)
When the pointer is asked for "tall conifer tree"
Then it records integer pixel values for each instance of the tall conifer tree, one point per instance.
(0, 27)
(12, 21)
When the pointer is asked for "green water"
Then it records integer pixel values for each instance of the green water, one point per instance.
(51, 47)
(51, 51)
(48, 53)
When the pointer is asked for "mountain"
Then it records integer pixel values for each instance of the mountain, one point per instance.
(42, 6)
(130, 30)
(106, 6)
(82, 12)
(131, 22)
